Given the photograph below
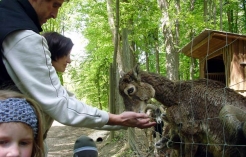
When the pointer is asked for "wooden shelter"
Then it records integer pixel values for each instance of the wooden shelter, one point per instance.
(222, 57)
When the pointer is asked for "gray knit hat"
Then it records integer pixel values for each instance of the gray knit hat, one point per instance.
(85, 147)
(18, 110)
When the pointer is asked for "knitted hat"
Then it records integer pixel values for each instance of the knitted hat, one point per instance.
(18, 110)
(85, 147)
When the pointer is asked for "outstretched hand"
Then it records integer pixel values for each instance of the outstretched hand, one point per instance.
(131, 119)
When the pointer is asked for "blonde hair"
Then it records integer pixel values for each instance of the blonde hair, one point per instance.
(38, 147)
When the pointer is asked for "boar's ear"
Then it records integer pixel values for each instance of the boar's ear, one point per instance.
(136, 71)
(122, 73)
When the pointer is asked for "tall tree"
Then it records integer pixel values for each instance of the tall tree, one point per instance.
(172, 57)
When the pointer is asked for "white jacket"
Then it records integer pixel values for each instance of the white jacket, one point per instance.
(28, 62)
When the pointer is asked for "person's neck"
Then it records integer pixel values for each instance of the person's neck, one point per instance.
(30, 11)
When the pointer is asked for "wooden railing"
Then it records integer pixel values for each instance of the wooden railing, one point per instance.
(216, 76)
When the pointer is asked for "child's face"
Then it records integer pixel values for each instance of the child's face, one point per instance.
(16, 139)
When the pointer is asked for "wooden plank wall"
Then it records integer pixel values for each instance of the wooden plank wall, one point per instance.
(237, 75)
(234, 54)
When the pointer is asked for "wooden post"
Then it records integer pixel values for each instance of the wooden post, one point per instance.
(111, 95)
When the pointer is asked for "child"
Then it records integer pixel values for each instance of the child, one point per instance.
(85, 147)
(21, 133)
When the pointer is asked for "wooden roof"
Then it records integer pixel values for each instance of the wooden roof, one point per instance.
(208, 42)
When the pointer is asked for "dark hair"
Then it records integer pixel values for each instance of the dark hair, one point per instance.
(59, 45)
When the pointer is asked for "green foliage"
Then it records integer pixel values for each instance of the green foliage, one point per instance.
(60, 77)
(143, 20)
(120, 135)
(64, 21)
(92, 79)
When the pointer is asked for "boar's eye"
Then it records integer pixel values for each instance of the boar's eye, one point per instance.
(128, 79)
(130, 91)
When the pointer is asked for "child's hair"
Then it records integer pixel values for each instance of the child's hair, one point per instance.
(38, 147)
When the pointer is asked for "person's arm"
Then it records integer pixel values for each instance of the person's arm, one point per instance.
(27, 60)
(125, 120)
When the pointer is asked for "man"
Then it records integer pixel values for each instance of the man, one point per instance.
(26, 64)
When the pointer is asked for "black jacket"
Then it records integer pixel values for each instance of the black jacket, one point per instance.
(15, 15)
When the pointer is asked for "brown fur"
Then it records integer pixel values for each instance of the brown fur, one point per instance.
(193, 105)
(155, 132)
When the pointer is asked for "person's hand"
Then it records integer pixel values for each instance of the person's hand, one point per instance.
(131, 119)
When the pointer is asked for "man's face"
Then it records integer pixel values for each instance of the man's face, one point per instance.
(46, 9)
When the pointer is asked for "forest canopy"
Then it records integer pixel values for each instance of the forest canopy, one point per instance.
(149, 32)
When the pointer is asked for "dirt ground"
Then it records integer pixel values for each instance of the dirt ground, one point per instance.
(61, 140)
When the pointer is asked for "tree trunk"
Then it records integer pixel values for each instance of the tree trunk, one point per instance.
(230, 20)
(205, 11)
(244, 12)
(147, 60)
(172, 57)
(111, 18)
(113, 96)
(221, 15)
(192, 60)
(157, 64)
(214, 7)
(176, 50)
